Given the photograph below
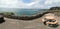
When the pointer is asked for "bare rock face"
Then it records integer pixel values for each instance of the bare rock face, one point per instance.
(2, 19)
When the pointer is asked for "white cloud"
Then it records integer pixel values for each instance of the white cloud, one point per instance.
(28, 5)
(49, 2)
(8, 3)
(17, 4)
(21, 4)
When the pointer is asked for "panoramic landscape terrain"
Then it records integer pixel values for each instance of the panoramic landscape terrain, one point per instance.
(23, 22)
(29, 14)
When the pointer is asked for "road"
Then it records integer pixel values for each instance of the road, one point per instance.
(21, 24)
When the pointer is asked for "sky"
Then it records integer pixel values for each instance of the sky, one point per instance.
(29, 3)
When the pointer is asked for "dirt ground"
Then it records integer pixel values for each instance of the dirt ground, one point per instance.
(21, 24)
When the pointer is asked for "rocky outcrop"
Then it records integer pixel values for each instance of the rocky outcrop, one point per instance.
(54, 8)
(26, 17)
(1, 19)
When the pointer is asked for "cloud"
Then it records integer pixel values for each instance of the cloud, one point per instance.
(27, 1)
(17, 4)
(28, 5)
(8, 3)
(52, 3)
(33, 4)
(49, 2)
